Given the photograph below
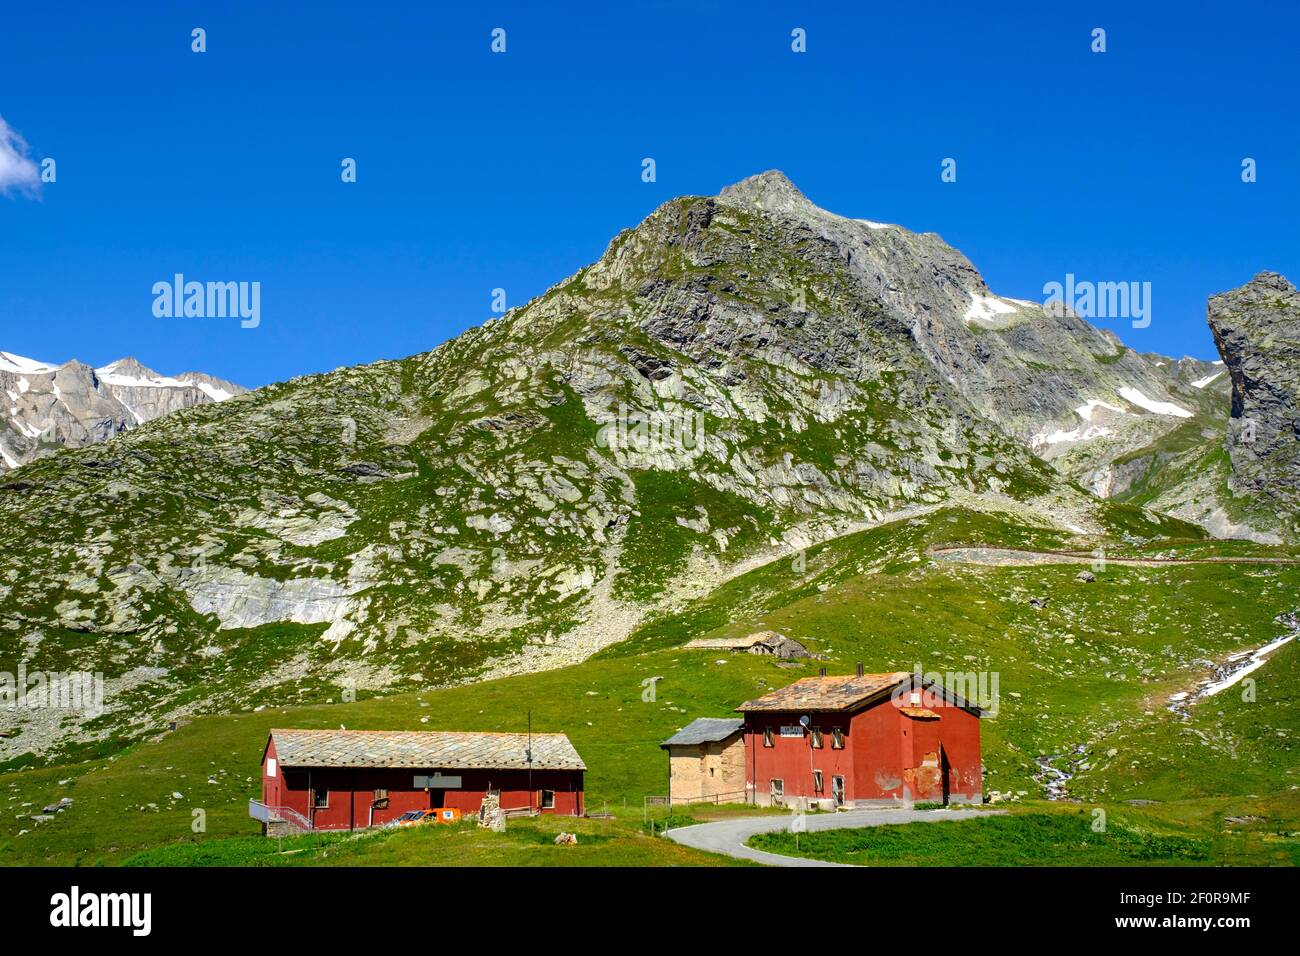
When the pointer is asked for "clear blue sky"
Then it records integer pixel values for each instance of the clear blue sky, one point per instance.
(478, 171)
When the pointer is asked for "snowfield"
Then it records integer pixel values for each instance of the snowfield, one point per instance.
(984, 308)
(1160, 408)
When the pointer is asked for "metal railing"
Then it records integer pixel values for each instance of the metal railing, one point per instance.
(260, 811)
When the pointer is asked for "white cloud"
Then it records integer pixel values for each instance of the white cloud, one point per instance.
(18, 172)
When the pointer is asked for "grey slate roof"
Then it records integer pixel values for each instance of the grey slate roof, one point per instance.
(423, 750)
(705, 730)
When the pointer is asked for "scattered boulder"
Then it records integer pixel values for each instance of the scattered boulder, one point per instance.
(1087, 577)
(566, 839)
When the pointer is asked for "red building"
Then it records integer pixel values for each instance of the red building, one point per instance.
(350, 779)
(862, 740)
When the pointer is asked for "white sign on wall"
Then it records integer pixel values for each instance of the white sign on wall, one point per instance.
(436, 781)
(791, 730)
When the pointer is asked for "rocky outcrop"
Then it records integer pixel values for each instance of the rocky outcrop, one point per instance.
(1257, 330)
(73, 405)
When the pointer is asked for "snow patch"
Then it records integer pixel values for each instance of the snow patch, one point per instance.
(214, 393)
(1202, 382)
(16, 363)
(1085, 411)
(139, 419)
(1134, 396)
(29, 431)
(876, 225)
(984, 308)
(1257, 659)
(109, 376)
(1075, 434)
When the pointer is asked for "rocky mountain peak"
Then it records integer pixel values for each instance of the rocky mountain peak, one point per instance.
(129, 366)
(72, 404)
(771, 192)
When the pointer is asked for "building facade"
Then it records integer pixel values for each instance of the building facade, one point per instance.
(706, 761)
(862, 740)
(352, 779)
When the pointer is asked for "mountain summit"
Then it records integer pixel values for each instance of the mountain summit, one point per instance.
(737, 378)
(771, 191)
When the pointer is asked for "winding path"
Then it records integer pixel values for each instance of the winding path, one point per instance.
(1023, 557)
(729, 836)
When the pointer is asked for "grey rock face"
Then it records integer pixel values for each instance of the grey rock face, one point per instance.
(1257, 330)
(1074, 393)
(73, 405)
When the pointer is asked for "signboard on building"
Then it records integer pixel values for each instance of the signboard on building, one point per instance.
(436, 781)
(791, 730)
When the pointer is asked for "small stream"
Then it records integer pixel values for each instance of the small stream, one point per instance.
(1234, 668)
(1052, 777)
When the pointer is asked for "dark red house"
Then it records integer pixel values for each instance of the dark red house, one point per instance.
(350, 779)
(862, 740)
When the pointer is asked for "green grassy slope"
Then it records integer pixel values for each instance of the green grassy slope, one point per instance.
(1090, 669)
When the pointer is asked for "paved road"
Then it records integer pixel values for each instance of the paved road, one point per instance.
(729, 836)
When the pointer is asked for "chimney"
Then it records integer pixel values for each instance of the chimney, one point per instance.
(821, 672)
(860, 668)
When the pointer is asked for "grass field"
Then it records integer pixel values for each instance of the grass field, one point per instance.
(1083, 680)
(1027, 839)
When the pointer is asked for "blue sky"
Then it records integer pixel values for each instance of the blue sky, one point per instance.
(478, 171)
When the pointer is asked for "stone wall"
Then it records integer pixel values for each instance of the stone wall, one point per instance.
(711, 771)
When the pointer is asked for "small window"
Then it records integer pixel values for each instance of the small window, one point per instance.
(270, 766)
(710, 771)
(548, 800)
(778, 792)
(837, 738)
(816, 738)
(381, 799)
(320, 799)
(767, 737)
(817, 782)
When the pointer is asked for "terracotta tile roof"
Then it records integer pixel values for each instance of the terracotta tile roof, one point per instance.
(826, 693)
(423, 750)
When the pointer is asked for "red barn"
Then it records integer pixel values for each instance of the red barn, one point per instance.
(350, 779)
(862, 740)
